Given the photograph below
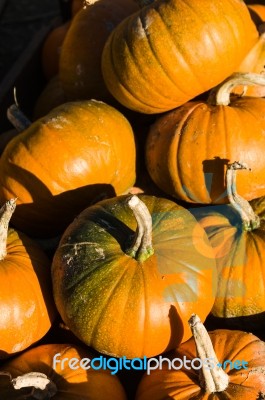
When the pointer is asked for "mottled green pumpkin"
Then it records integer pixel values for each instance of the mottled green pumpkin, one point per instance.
(127, 304)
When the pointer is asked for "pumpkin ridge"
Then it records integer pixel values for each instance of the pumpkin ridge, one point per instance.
(144, 86)
(161, 64)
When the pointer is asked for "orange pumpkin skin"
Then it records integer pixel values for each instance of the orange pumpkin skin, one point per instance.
(183, 384)
(65, 161)
(26, 301)
(79, 68)
(188, 149)
(146, 75)
(240, 259)
(76, 6)
(71, 384)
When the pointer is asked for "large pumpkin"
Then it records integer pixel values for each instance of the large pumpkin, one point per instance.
(60, 372)
(80, 58)
(173, 50)
(188, 148)
(221, 365)
(236, 233)
(27, 309)
(125, 281)
(65, 161)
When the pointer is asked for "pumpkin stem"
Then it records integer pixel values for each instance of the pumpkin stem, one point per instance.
(212, 379)
(42, 388)
(250, 219)
(220, 95)
(142, 247)
(19, 121)
(6, 212)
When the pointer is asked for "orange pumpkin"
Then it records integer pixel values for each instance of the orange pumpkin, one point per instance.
(188, 148)
(129, 271)
(65, 161)
(51, 96)
(223, 364)
(171, 51)
(79, 68)
(236, 233)
(60, 372)
(26, 301)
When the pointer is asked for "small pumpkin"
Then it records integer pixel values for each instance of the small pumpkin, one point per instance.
(147, 76)
(237, 234)
(51, 50)
(60, 372)
(128, 271)
(65, 161)
(257, 12)
(188, 149)
(231, 366)
(26, 301)
(79, 66)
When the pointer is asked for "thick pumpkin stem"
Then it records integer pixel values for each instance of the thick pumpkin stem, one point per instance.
(250, 219)
(40, 386)
(214, 379)
(220, 95)
(19, 120)
(142, 247)
(6, 213)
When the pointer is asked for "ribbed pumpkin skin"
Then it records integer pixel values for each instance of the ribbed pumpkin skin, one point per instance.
(244, 384)
(124, 307)
(188, 149)
(80, 58)
(26, 301)
(65, 161)
(240, 258)
(72, 384)
(171, 51)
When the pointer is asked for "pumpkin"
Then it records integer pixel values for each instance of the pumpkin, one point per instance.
(236, 233)
(187, 149)
(254, 62)
(222, 364)
(51, 50)
(128, 271)
(65, 161)
(79, 67)
(147, 76)
(26, 301)
(76, 6)
(60, 372)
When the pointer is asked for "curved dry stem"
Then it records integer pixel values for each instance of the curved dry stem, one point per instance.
(19, 120)
(142, 247)
(214, 379)
(220, 95)
(249, 218)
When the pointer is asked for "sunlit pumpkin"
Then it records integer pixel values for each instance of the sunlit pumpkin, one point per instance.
(65, 161)
(60, 372)
(129, 271)
(26, 303)
(222, 364)
(188, 148)
(173, 50)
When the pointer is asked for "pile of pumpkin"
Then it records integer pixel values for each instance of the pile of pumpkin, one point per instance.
(133, 204)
